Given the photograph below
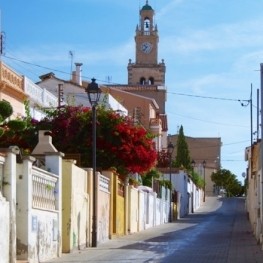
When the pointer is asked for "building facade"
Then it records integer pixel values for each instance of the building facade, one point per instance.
(146, 78)
(206, 154)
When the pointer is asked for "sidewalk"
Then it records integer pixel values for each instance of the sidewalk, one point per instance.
(243, 247)
(218, 232)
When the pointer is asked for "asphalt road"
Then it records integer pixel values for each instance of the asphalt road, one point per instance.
(218, 232)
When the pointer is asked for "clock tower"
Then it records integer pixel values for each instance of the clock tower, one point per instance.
(146, 70)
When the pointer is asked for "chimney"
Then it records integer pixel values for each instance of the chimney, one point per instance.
(44, 144)
(76, 75)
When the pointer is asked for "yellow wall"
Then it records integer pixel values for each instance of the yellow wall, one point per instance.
(120, 223)
(117, 206)
(74, 207)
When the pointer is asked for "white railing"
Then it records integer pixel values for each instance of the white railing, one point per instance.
(104, 183)
(44, 187)
(40, 95)
(49, 100)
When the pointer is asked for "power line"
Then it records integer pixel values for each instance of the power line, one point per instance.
(103, 81)
(52, 69)
(206, 97)
(207, 121)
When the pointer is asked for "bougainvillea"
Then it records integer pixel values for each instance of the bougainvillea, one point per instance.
(120, 143)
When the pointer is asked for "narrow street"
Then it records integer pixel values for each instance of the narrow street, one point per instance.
(218, 232)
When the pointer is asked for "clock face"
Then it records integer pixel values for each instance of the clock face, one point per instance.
(146, 47)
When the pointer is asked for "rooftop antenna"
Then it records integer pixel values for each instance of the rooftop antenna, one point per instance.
(108, 79)
(71, 55)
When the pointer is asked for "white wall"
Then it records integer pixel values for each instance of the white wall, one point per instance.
(38, 225)
(4, 230)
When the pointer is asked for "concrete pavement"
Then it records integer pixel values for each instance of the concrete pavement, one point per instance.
(218, 232)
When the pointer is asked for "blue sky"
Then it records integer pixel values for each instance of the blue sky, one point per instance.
(212, 50)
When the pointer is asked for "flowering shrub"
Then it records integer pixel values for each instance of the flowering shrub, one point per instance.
(120, 143)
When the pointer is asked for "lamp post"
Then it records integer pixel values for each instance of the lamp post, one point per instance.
(193, 165)
(192, 195)
(204, 165)
(94, 92)
(170, 150)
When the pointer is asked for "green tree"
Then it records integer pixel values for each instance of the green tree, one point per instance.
(225, 179)
(11, 129)
(182, 151)
(6, 110)
(148, 178)
(198, 180)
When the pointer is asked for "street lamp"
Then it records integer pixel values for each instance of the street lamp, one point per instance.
(170, 150)
(204, 165)
(94, 92)
(193, 165)
(192, 195)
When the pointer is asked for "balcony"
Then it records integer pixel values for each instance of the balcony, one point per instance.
(155, 125)
(10, 77)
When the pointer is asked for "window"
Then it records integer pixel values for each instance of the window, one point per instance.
(147, 24)
(151, 81)
(142, 81)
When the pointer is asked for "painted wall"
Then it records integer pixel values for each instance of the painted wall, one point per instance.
(133, 209)
(142, 211)
(9, 192)
(103, 211)
(117, 205)
(145, 210)
(120, 222)
(180, 184)
(38, 210)
(42, 235)
(75, 203)
(254, 190)
(4, 230)
(150, 209)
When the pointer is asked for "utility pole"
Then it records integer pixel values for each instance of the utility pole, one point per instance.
(261, 151)
(60, 95)
(2, 36)
(251, 118)
(258, 113)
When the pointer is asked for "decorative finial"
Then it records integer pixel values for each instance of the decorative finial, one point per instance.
(146, 2)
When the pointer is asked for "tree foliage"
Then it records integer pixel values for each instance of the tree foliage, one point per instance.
(182, 151)
(151, 175)
(225, 179)
(6, 110)
(120, 143)
(197, 179)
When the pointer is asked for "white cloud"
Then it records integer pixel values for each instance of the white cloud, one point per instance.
(225, 36)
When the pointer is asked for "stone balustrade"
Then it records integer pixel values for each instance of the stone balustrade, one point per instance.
(10, 78)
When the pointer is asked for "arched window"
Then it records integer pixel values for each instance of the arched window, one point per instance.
(151, 81)
(142, 80)
(147, 24)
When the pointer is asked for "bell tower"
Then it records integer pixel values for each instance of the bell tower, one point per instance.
(146, 70)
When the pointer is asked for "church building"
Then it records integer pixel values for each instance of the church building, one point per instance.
(146, 79)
